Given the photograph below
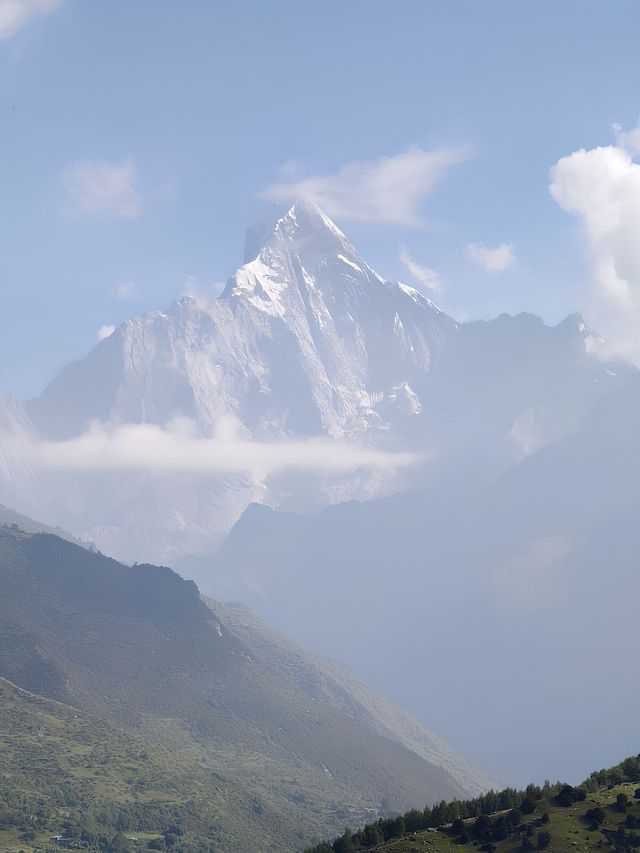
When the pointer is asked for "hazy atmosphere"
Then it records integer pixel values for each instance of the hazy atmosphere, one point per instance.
(319, 426)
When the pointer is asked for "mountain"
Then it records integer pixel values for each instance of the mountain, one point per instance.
(326, 681)
(136, 648)
(308, 347)
(20, 484)
(305, 342)
(11, 518)
(539, 568)
(67, 772)
(305, 339)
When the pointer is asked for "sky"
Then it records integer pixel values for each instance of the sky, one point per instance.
(483, 152)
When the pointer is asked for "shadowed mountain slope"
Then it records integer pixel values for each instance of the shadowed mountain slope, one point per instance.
(540, 566)
(137, 646)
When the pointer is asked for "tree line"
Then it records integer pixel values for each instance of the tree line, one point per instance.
(510, 800)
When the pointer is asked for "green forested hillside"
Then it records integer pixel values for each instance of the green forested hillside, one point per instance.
(134, 654)
(66, 772)
(601, 814)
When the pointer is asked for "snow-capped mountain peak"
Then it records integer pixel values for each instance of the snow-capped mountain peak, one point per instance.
(306, 250)
(306, 340)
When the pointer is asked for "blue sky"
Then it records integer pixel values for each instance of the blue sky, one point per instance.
(138, 141)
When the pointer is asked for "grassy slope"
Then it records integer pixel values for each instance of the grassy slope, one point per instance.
(65, 764)
(570, 832)
(326, 681)
(137, 647)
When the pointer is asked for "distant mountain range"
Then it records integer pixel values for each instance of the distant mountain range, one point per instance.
(505, 535)
(515, 602)
(306, 341)
(275, 746)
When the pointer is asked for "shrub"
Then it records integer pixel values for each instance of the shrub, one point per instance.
(544, 839)
(596, 816)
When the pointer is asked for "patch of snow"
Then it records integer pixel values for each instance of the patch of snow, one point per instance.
(350, 263)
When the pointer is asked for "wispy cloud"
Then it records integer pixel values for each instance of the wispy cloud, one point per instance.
(494, 260)
(105, 332)
(179, 448)
(628, 139)
(100, 188)
(387, 190)
(535, 580)
(123, 290)
(192, 286)
(427, 277)
(601, 187)
(16, 14)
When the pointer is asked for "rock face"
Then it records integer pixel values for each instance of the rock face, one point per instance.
(305, 341)
(19, 483)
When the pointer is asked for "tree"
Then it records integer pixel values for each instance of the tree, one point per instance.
(482, 825)
(372, 835)
(622, 801)
(568, 795)
(119, 844)
(544, 839)
(343, 843)
(514, 818)
(457, 827)
(596, 816)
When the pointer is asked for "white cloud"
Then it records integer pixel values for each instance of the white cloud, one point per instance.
(16, 14)
(105, 332)
(427, 277)
(601, 187)
(388, 190)
(124, 290)
(628, 139)
(99, 188)
(492, 260)
(178, 448)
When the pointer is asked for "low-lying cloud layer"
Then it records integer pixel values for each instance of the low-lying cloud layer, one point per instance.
(387, 190)
(177, 448)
